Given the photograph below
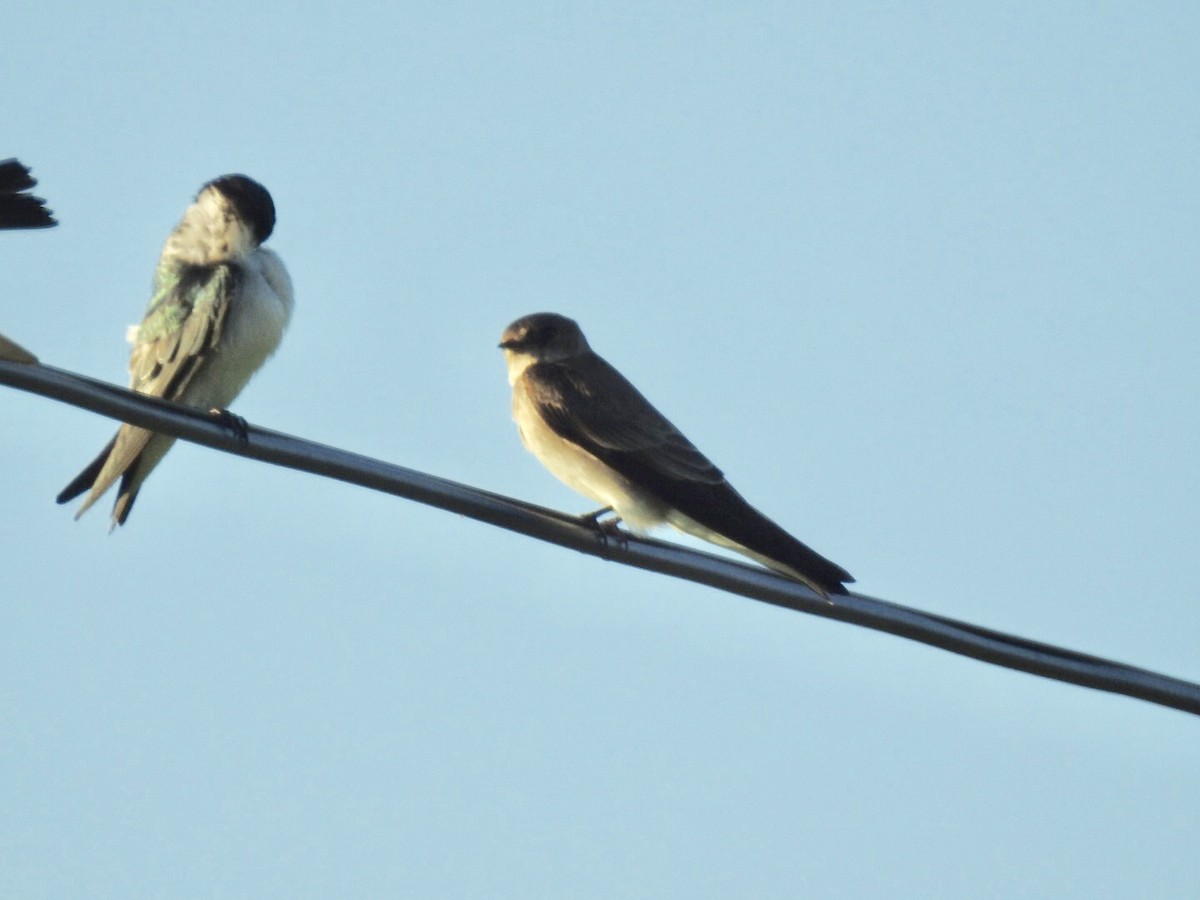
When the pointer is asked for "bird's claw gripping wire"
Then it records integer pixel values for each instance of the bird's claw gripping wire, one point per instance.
(233, 423)
(606, 529)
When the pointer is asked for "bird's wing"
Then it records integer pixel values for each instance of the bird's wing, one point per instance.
(14, 176)
(17, 209)
(592, 405)
(181, 329)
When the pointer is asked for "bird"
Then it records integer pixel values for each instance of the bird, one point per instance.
(218, 309)
(18, 209)
(596, 433)
(11, 351)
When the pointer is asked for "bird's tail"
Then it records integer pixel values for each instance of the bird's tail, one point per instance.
(746, 530)
(85, 479)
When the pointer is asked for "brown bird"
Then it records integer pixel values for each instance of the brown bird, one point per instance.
(595, 432)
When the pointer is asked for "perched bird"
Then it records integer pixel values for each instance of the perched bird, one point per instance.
(18, 209)
(11, 351)
(594, 431)
(220, 304)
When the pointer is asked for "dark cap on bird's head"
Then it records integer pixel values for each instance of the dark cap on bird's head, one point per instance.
(251, 201)
(540, 333)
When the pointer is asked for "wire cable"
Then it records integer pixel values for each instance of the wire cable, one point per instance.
(586, 536)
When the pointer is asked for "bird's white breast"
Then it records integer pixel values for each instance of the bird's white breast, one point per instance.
(580, 470)
(258, 315)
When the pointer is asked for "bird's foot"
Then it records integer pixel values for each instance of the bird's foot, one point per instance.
(593, 518)
(232, 423)
(606, 529)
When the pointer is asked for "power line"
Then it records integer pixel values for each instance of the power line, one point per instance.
(565, 530)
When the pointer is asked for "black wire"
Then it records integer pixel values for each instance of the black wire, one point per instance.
(963, 638)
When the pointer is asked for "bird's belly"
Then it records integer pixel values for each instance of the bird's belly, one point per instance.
(252, 333)
(583, 472)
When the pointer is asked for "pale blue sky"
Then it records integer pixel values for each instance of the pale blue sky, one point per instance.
(922, 280)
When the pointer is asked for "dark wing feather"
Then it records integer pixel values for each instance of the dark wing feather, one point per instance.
(14, 176)
(592, 405)
(181, 329)
(17, 209)
(182, 326)
(85, 479)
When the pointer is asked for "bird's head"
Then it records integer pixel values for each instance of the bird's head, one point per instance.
(540, 337)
